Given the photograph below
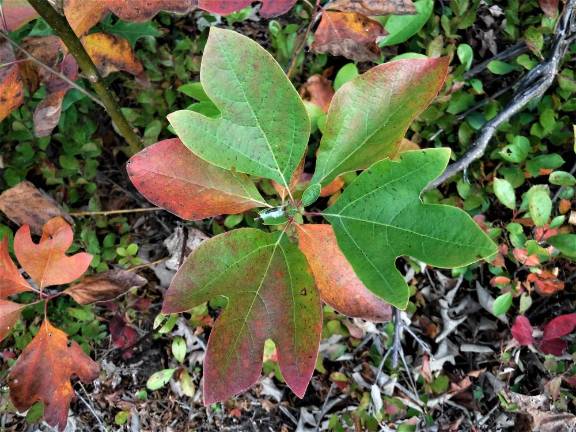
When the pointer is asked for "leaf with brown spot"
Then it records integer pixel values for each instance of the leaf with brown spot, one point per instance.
(9, 315)
(43, 372)
(11, 281)
(11, 84)
(336, 280)
(348, 34)
(111, 53)
(169, 175)
(47, 262)
(271, 295)
(24, 204)
(319, 91)
(269, 9)
(375, 7)
(105, 286)
(17, 13)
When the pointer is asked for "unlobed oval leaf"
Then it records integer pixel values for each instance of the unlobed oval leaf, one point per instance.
(105, 286)
(380, 217)
(43, 372)
(263, 129)
(169, 175)
(338, 284)
(47, 262)
(271, 295)
(369, 115)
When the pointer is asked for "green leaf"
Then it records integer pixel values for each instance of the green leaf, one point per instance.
(263, 129)
(195, 91)
(565, 243)
(270, 294)
(380, 217)
(131, 31)
(539, 204)
(370, 115)
(562, 178)
(465, 55)
(498, 67)
(159, 379)
(311, 194)
(505, 193)
(346, 73)
(179, 348)
(516, 152)
(502, 304)
(400, 28)
(546, 161)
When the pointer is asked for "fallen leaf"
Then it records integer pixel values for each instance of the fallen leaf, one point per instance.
(319, 91)
(169, 175)
(46, 262)
(375, 7)
(11, 281)
(550, 7)
(111, 54)
(348, 34)
(105, 286)
(24, 204)
(545, 282)
(43, 371)
(9, 315)
(522, 330)
(269, 9)
(17, 13)
(542, 418)
(338, 284)
(11, 84)
(271, 295)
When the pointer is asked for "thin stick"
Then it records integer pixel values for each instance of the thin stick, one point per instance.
(532, 86)
(61, 27)
(316, 10)
(146, 265)
(43, 65)
(114, 212)
(90, 408)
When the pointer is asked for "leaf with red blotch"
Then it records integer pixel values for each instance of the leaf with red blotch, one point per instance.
(11, 281)
(545, 282)
(374, 7)
(9, 315)
(269, 9)
(17, 13)
(105, 286)
(43, 372)
(169, 175)
(550, 7)
(111, 54)
(348, 34)
(25, 204)
(271, 295)
(47, 262)
(522, 331)
(11, 84)
(338, 284)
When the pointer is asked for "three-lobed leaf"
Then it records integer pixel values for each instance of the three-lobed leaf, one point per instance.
(270, 295)
(11, 281)
(380, 217)
(9, 315)
(263, 128)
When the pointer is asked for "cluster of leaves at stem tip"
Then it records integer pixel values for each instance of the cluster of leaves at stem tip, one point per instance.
(274, 279)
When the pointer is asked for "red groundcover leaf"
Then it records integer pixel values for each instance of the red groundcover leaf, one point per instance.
(560, 326)
(43, 372)
(271, 294)
(522, 331)
(46, 262)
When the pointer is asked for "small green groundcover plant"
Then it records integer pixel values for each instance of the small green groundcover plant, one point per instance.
(275, 278)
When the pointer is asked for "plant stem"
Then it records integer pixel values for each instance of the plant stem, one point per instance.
(61, 27)
(315, 11)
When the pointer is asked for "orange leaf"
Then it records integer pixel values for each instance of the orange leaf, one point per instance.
(332, 187)
(46, 262)
(9, 315)
(348, 34)
(405, 145)
(545, 282)
(319, 91)
(111, 53)
(11, 85)
(11, 281)
(43, 373)
(337, 282)
(564, 206)
(523, 258)
(375, 7)
(105, 286)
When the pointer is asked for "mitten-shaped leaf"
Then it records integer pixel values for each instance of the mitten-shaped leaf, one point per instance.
(270, 8)
(380, 217)
(11, 281)
(271, 295)
(105, 286)
(169, 175)
(338, 284)
(369, 115)
(46, 262)
(9, 314)
(263, 128)
(43, 372)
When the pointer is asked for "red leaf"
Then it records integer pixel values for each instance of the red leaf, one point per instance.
(43, 373)
(17, 13)
(169, 175)
(550, 7)
(46, 262)
(522, 331)
(523, 258)
(553, 346)
(105, 286)
(9, 315)
(123, 335)
(560, 326)
(11, 281)
(270, 8)
(336, 280)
